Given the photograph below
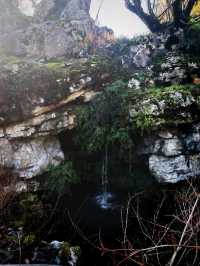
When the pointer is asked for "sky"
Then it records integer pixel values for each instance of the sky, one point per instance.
(116, 16)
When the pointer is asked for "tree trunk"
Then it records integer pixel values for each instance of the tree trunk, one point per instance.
(150, 20)
(178, 14)
(152, 23)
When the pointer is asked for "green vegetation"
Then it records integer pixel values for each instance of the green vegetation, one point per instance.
(30, 207)
(57, 177)
(108, 121)
(103, 130)
(105, 122)
(55, 64)
(155, 107)
(163, 93)
(100, 62)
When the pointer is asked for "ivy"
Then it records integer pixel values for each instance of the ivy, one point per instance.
(105, 121)
(59, 176)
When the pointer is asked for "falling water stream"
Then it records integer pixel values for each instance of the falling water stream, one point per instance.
(104, 199)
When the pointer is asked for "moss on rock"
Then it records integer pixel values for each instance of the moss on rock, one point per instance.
(160, 107)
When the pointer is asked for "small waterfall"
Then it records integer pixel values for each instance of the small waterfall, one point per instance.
(104, 198)
(104, 173)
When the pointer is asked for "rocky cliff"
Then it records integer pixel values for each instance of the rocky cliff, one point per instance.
(165, 106)
(172, 149)
(36, 94)
(47, 28)
(39, 98)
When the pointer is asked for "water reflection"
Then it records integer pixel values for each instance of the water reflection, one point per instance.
(105, 200)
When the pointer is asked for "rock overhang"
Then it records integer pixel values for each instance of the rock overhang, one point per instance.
(38, 101)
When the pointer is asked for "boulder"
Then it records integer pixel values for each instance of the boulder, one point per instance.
(170, 170)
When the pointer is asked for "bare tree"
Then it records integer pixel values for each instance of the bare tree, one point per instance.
(159, 15)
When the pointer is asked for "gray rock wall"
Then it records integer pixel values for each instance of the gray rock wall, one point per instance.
(32, 157)
(173, 155)
(44, 29)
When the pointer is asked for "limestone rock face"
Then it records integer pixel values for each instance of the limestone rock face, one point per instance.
(168, 169)
(32, 157)
(142, 57)
(11, 19)
(160, 109)
(46, 28)
(32, 92)
(27, 7)
(174, 169)
(173, 155)
(164, 64)
(172, 147)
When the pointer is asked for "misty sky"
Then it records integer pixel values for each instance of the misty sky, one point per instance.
(114, 15)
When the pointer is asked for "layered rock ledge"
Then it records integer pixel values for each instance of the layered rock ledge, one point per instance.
(38, 101)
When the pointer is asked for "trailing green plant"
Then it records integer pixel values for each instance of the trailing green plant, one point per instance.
(144, 120)
(105, 121)
(57, 177)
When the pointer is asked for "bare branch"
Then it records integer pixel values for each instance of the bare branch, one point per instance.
(171, 263)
